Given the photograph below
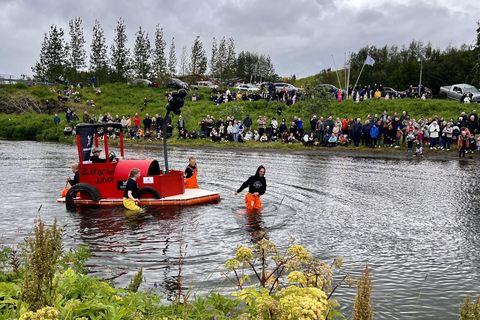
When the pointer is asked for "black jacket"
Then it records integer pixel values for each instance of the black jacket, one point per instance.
(75, 180)
(254, 184)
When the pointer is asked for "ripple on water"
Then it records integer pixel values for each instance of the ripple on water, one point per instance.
(415, 223)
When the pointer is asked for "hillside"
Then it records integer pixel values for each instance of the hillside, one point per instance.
(124, 100)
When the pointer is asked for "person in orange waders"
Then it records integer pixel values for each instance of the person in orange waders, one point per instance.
(257, 185)
(191, 174)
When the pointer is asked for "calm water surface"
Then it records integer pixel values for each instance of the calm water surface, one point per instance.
(415, 223)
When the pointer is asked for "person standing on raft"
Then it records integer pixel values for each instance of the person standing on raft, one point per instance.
(257, 185)
(191, 172)
(131, 194)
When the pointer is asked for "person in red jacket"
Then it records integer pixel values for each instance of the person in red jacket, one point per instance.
(136, 122)
(463, 143)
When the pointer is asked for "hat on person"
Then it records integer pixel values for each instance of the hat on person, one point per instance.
(96, 150)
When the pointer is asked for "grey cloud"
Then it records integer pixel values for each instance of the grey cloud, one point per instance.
(300, 36)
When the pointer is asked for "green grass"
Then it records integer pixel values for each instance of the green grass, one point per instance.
(121, 99)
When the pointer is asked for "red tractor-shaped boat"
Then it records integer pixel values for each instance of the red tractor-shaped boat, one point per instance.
(104, 183)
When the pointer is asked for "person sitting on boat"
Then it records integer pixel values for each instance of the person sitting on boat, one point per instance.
(76, 178)
(257, 185)
(131, 193)
(191, 174)
(95, 157)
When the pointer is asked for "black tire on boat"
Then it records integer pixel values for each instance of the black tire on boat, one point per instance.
(149, 191)
(91, 191)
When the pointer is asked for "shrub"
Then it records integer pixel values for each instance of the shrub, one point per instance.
(470, 309)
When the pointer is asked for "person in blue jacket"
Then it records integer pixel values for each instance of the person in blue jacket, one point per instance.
(374, 134)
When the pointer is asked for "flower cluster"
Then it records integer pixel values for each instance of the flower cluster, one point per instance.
(297, 277)
(302, 303)
(297, 256)
(47, 313)
(244, 254)
(232, 264)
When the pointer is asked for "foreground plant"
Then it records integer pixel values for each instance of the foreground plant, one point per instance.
(362, 309)
(43, 252)
(288, 285)
(45, 282)
(470, 309)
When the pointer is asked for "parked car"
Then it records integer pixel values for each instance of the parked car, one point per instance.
(176, 84)
(456, 92)
(247, 87)
(412, 92)
(329, 88)
(392, 93)
(204, 84)
(279, 86)
(141, 82)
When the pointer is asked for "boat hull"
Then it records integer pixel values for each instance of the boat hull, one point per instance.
(188, 198)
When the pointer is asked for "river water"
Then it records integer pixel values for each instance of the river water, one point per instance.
(415, 223)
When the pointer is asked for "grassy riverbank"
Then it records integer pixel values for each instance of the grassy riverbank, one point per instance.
(124, 100)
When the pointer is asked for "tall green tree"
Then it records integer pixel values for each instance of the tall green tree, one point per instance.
(475, 74)
(213, 60)
(172, 59)
(77, 55)
(253, 67)
(40, 68)
(120, 54)
(222, 58)
(230, 59)
(184, 61)
(198, 58)
(98, 51)
(142, 54)
(159, 61)
(53, 56)
(266, 71)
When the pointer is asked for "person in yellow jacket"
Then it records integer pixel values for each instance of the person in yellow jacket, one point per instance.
(131, 193)
(378, 94)
(191, 172)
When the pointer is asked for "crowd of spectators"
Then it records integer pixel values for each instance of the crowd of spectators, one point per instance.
(266, 92)
(374, 131)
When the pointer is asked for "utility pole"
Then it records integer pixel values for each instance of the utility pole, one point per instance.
(420, 80)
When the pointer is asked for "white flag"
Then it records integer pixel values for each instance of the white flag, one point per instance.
(369, 60)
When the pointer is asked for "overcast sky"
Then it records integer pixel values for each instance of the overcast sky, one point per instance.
(299, 35)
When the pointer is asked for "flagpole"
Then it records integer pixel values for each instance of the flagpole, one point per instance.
(363, 66)
(348, 73)
(345, 66)
(336, 71)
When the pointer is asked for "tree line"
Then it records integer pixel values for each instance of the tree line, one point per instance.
(400, 67)
(61, 59)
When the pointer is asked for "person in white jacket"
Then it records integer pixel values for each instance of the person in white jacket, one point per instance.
(434, 130)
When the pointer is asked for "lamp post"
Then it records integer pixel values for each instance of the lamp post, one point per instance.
(420, 80)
